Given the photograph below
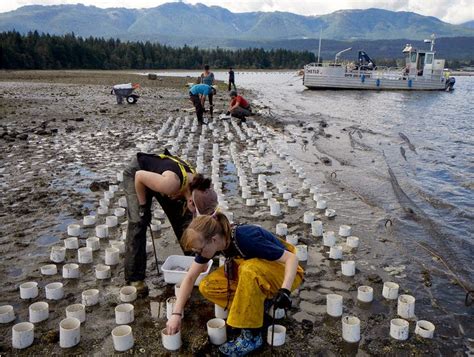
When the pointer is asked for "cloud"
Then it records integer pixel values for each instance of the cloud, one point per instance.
(452, 11)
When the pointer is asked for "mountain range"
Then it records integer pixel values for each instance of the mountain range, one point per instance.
(179, 23)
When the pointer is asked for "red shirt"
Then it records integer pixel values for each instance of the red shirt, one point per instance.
(239, 99)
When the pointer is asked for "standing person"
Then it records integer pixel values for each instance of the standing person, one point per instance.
(179, 190)
(258, 266)
(194, 95)
(231, 80)
(207, 77)
(239, 107)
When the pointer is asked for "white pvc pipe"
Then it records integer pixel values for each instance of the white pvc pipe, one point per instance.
(23, 335)
(406, 306)
(287, 196)
(69, 332)
(124, 314)
(275, 209)
(292, 239)
(365, 293)
(155, 225)
(111, 221)
(101, 210)
(78, 311)
(38, 311)
(128, 294)
(330, 213)
(308, 217)
(71, 271)
(335, 252)
(93, 243)
(302, 252)
(281, 229)
(102, 231)
(120, 176)
(122, 337)
(54, 291)
(74, 230)
(251, 202)
(122, 202)
(119, 245)
(317, 228)
(84, 255)
(58, 254)
(90, 297)
(329, 239)
(322, 204)
(399, 329)
(348, 268)
(49, 269)
(424, 329)
(220, 313)
(29, 290)
(71, 243)
(119, 212)
(279, 313)
(293, 202)
(171, 342)
(278, 337)
(351, 329)
(7, 314)
(334, 305)
(216, 330)
(102, 271)
(88, 220)
(112, 256)
(390, 290)
(352, 242)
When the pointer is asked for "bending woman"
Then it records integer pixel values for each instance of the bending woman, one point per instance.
(180, 191)
(258, 266)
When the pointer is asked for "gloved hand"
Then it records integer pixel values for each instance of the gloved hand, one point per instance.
(228, 113)
(145, 213)
(282, 300)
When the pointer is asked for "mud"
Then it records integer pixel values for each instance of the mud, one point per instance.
(62, 141)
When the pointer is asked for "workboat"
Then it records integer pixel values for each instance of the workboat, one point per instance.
(422, 72)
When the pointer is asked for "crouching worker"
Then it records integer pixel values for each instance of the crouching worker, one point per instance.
(258, 266)
(239, 107)
(181, 192)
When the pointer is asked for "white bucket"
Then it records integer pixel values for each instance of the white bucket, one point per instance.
(287, 195)
(293, 202)
(220, 313)
(39, 311)
(348, 268)
(102, 231)
(93, 243)
(279, 313)
(71, 271)
(119, 245)
(352, 242)
(216, 330)
(7, 314)
(155, 225)
(275, 209)
(329, 239)
(111, 221)
(335, 252)
(90, 297)
(54, 291)
(308, 217)
(282, 189)
(29, 290)
(171, 342)
(318, 197)
(102, 271)
(23, 335)
(390, 290)
(112, 256)
(74, 230)
(334, 305)
(406, 306)
(399, 329)
(49, 269)
(317, 228)
(302, 252)
(267, 194)
(124, 314)
(84, 255)
(424, 329)
(122, 337)
(88, 221)
(71, 243)
(278, 337)
(113, 188)
(281, 229)
(104, 202)
(128, 294)
(292, 239)
(351, 329)
(69, 332)
(365, 293)
(345, 231)
(108, 195)
(251, 202)
(78, 311)
(322, 204)
(119, 212)
(122, 202)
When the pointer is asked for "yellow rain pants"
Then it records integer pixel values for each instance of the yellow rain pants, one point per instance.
(258, 279)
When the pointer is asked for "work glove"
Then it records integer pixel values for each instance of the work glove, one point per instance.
(228, 113)
(282, 300)
(145, 214)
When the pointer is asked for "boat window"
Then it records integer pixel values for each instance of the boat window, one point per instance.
(429, 58)
(413, 57)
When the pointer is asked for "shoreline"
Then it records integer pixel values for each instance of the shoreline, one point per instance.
(95, 138)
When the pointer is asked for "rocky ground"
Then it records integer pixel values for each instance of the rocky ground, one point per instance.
(62, 141)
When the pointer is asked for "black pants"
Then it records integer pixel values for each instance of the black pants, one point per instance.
(135, 244)
(197, 105)
(231, 82)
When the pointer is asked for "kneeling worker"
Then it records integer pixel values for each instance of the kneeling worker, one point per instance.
(238, 106)
(194, 92)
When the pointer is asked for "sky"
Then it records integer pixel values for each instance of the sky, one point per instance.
(452, 11)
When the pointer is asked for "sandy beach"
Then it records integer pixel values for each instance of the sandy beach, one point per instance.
(63, 139)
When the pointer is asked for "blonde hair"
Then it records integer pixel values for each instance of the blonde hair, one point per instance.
(204, 228)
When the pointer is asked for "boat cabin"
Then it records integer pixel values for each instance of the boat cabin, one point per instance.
(422, 63)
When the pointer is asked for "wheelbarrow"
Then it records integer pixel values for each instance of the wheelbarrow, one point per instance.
(122, 91)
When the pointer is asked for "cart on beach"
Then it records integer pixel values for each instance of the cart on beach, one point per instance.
(125, 91)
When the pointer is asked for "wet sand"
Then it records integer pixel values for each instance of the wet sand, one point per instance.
(62, 131)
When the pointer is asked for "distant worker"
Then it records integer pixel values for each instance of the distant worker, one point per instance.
(207, 77)
(239, 107)
(194, 95)
(231, 80)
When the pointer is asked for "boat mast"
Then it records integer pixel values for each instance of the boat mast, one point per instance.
(319, 48)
